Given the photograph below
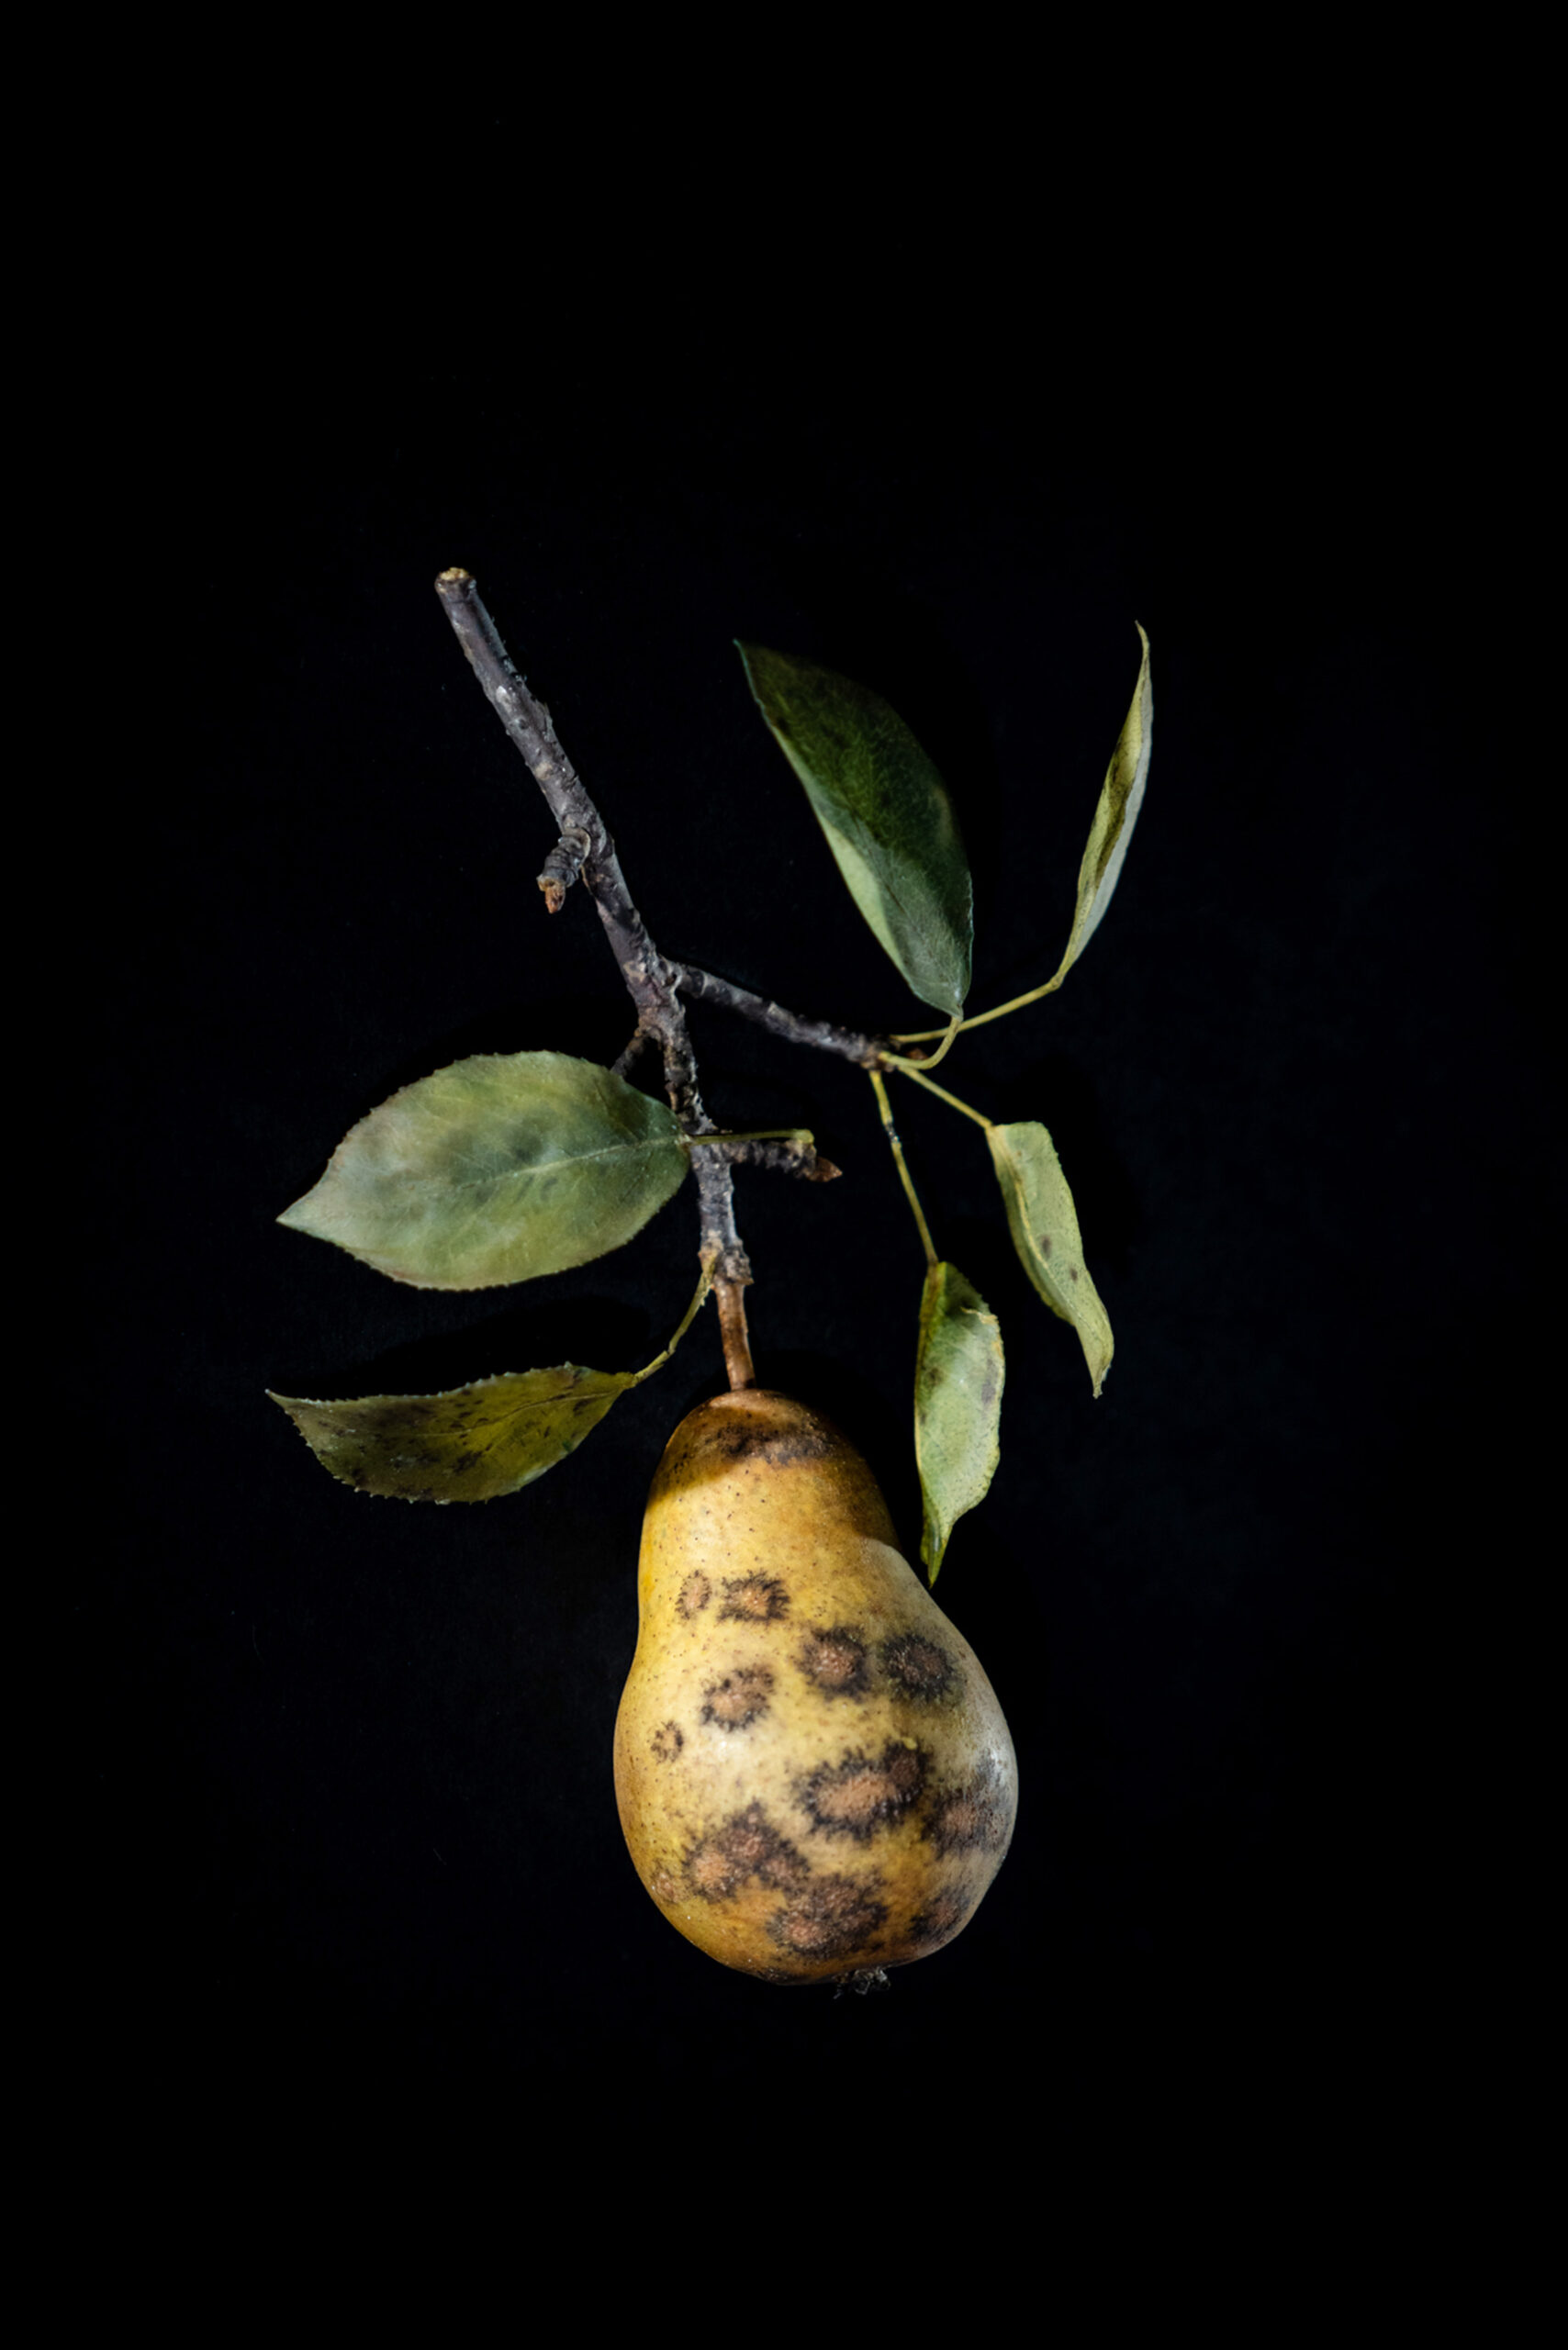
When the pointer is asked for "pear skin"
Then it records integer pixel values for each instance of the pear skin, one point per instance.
(812, 1772)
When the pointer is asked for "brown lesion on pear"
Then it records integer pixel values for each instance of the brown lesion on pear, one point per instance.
(747, 1846)
(920, 1667)
(836, 1661)
(861, 1796)
(753, 1599)
(941, 1917)
(667, 1741)
(736, 1701)
(779, 1448)
(832, 1917)
(976, 1817)
(694, 1594)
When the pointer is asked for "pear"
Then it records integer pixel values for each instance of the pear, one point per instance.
(813, 1774)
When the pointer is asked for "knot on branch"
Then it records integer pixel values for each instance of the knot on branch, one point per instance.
(562, 867)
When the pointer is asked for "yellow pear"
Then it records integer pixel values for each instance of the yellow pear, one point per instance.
(813, 1774)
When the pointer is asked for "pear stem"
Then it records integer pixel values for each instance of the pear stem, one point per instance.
(733, 1330)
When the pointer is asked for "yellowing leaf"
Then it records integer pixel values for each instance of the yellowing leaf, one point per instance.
(467, 1445)
(1121, 797)
(958, 1375)
(1044, 1224)
(886, 813)
(499, 1169)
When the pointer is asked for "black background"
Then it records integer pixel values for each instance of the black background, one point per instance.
(347, 1819)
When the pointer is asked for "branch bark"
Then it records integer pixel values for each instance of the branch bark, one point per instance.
(825, 1035)
(650, 981)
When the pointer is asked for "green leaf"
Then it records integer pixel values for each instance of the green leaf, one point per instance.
(498, 1168)
(1044, 1224)
(1121, 797)
(886, 813)
(467, 1445)
(958, 1373)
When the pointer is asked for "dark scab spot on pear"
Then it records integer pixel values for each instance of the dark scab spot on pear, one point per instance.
(695, 1593)
(832, 1917)
(862, 1795)
(941, 1917)
(920, 1667)
(753, 1599)
(836, 1661)
(736, 1439)
(736, 1701)
(710, 1873)
(973, 1817)
(667, 1743)
(746, 1847)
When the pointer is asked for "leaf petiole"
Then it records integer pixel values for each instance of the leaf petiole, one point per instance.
(687, 1318)
(946, 1035)
(754, 1134)
(909, 1069)
(979, 1019)
(885, 1106)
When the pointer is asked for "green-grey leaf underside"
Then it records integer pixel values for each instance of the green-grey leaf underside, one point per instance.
(1044, 1224)
(498, 1168)
(1121, 797)
(957, 1405)
(886, 812)
(468, 1445)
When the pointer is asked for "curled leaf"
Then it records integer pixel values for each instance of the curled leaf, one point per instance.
(472, 1443)
(958, 1374)
(1044, 1224)
(467, 1445)
(498, 1168)
(1121, 797)
(886, 813)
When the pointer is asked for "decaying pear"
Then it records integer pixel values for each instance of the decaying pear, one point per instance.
(814, 1773)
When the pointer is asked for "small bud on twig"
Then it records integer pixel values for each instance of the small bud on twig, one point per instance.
(561, 868)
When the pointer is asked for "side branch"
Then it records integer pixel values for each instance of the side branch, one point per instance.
(825, 1035)
(782, 1158)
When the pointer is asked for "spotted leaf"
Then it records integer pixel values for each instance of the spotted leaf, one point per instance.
(1044, 1224)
